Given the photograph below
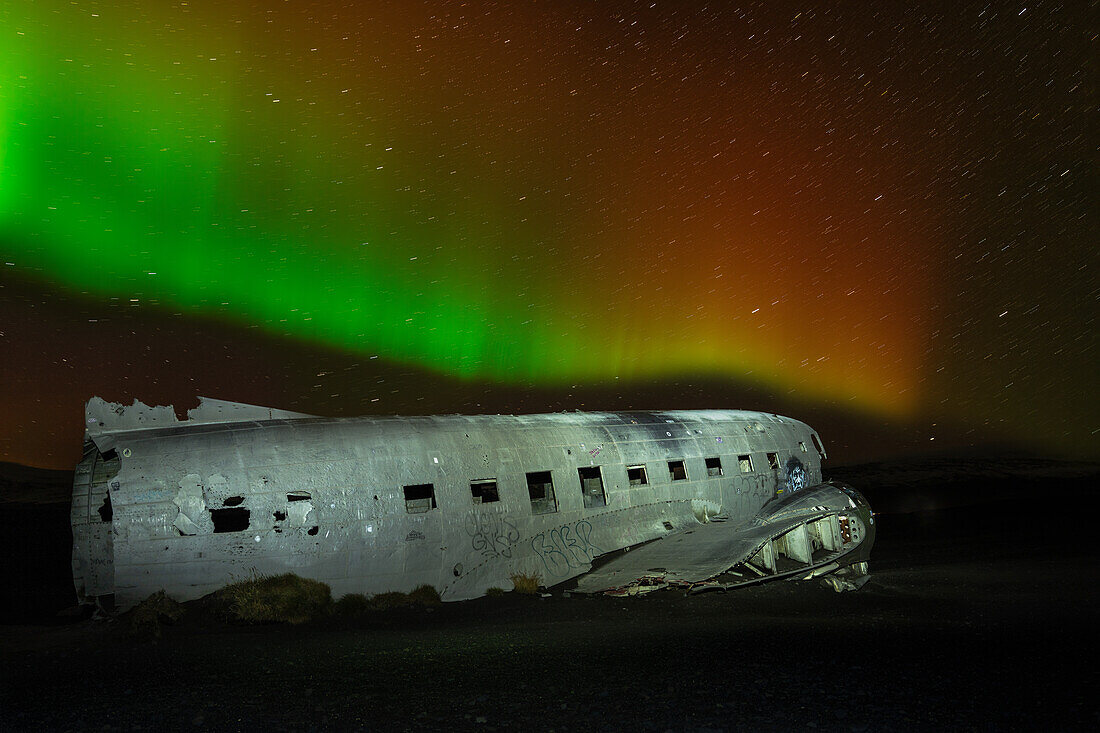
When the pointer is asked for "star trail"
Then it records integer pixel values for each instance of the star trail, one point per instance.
(866, 210)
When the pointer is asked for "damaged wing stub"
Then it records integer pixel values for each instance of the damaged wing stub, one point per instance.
(702, 499)
(825, 531)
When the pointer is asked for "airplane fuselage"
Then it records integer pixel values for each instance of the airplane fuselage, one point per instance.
(370, 505)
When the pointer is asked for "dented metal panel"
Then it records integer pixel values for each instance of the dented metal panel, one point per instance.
(386, 504)
(778, 532)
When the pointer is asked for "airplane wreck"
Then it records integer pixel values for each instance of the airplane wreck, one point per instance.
(700, 499)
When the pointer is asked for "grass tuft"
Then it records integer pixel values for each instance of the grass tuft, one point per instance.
(425, 595)
(353, 604)
(527, 585)
(495, 592)
(386, 601)
(277, 598)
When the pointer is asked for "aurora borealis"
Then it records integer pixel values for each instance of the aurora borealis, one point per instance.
(882, 212)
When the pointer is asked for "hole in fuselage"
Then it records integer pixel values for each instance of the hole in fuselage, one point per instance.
(105, 511)
(233, 519)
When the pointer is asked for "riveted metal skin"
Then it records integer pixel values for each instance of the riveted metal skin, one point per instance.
(378, 504)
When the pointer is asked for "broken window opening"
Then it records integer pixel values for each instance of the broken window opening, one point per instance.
(419, 498)
(592, 487)
(296, 513)
(105, 511)
(312, 530)
(817, 445)
(773, 461)
(540, 487)
(636, 475)
(106, 467)
(233, 501)
(233, 519)
(714, 466)
(484, 491)
(677, 471)
(745, 462)
(802, 446)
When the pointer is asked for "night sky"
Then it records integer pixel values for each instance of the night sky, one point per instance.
(875, 217)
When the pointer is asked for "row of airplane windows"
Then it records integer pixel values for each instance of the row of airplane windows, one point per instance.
(420, 498)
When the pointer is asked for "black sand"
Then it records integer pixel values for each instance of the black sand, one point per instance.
(980, 614)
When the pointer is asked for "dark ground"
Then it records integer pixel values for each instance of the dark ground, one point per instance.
(980, 614)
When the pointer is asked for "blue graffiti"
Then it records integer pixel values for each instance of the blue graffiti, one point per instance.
(565, 547)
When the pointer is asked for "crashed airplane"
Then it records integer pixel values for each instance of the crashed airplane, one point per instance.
(701, 499)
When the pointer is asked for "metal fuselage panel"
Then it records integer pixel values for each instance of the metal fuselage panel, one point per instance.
(325, 498)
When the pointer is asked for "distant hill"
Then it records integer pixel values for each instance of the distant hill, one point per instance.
(924, 484)
(27, 485)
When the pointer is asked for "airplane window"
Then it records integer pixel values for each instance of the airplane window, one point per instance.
(636, 475)
(419, 498)
(233, 519)
(592, 487)
(746, 463)
(714, 466)
(802, 446)
(773, 461)
(540, 486)
(817, 444)
(484, 491)
(677, 471)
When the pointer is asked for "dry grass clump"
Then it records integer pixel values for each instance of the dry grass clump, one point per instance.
(386, 601)
(495, 592)
(277, 598)
(527, 585)
(425, 595)
(157, 609)
(355, 604)
(352, 604)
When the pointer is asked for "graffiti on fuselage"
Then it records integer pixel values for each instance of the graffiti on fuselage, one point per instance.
(491, 535)
(754, 485)
(796, 475)
(566, 547)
